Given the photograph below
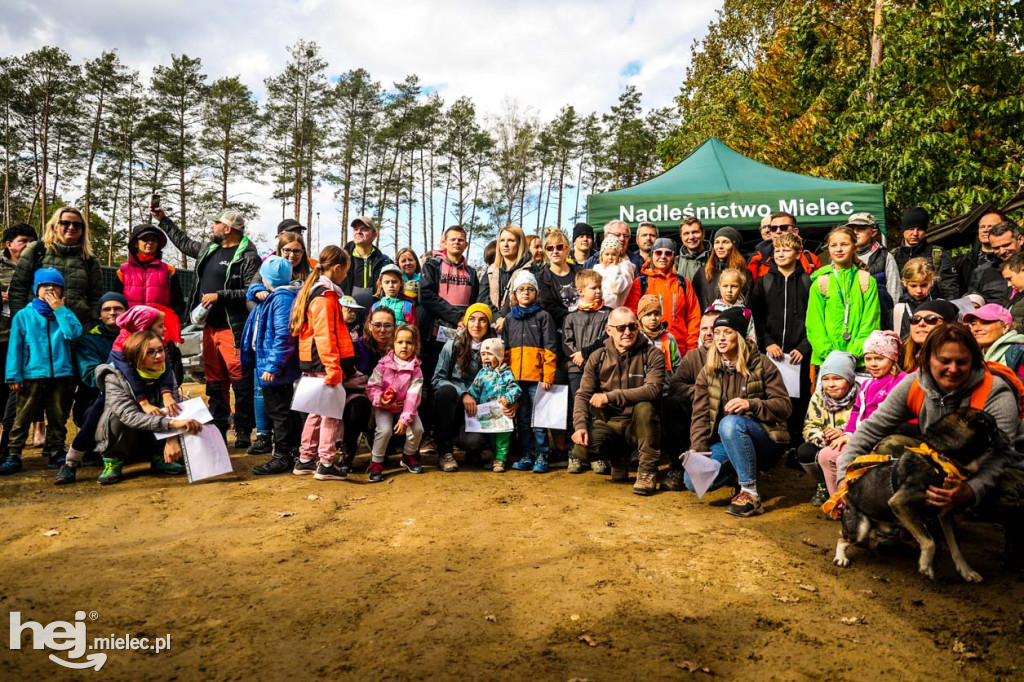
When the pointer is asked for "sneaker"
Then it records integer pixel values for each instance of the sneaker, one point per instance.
(620, 473)
(525, 463)
(374, 472)
(646, 483)
(56, 458)
(412, 463)
(540, 466)
(427, 446)
(820, 496)
(744, 505)
(447, 463)
(111, 472)
(261, 446)
(329, 473)
(574, 466)
(159, 466)
(66, 474)
(673, 481)
(242, 440)
(281, 463)
(304, 468)
(344, 461)
(11, 465)
(599, 467)
(498, 466)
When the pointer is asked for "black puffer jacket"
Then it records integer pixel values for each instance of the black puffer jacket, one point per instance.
(83, 280)
(241, 272)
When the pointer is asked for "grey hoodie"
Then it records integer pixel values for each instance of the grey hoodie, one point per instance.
(1001, 404)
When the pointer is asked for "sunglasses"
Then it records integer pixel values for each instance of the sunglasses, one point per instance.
(663, 253)
(781, 228)
(555, 247)
(622, 328)
(71, 224)
(927, 319)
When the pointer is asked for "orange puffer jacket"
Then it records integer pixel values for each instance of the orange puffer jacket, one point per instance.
(324, 340)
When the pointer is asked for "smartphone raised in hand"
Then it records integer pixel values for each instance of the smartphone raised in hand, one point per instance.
(154, 202)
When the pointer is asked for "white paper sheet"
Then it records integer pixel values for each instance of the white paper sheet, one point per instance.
(190, 409)
(790, 375)
(702, 470)
(489, 419)
(551, 407)
(206, 454)
(313, 396)
(446, 334)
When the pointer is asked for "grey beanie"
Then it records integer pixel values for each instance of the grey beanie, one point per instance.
(841, 364)
(664, 243)
(730, 233)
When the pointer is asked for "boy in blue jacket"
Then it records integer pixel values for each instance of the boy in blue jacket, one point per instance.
(269, 347)
(39, 367)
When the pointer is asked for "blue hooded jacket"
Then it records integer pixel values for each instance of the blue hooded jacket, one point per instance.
(267, 341)
(40, 347)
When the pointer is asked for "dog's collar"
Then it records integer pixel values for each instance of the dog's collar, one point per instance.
(942, 463)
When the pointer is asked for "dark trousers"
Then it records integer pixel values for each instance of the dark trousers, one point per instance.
(287, 429)
(676, 414)
(450, 424)
(795, 423)
(615, 437)
(428, 358)
(85, 439)
(85, 397)
(50, 396)
(358, 411)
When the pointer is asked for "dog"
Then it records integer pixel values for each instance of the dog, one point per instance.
(894, 494)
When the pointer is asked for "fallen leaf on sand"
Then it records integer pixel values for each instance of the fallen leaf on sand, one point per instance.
(694, 668)
(243, 483)
(285, 515)
(72, 518)
(809, 588)
(313, 498)
(852, 620)
(786, 600)
(809, 542)
(870, 594)
(590, 641)
(491, 618)
(357, 499)
(574, 616)
(51, 533)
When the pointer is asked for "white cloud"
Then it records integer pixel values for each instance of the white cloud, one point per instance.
(545, 54)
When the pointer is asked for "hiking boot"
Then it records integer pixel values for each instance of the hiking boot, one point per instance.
(446, 462)
(65, 475)
(620, 473)
(111, 473)
(427, 446)
(820, 496)
(11, 465)
(242, 440)
(261, 446)
(646, 483)
(574, 466)
(525, 463)
(744, 505)
(158, 466)
(302, 468)
(329, 473)
(673, 481)
(412, 463)
(498, 466)
(280, 463)
(56, 458)
(540, 466)
(599, 467)
(374, 472)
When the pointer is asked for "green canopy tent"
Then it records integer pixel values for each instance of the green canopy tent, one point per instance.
(720, 186)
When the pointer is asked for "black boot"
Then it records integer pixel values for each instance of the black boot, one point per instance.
(262, 445)
(280, 463)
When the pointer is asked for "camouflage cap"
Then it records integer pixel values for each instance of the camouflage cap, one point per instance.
(862, 219)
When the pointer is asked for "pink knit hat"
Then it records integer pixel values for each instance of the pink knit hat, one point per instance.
(884, 343)
(135, 319)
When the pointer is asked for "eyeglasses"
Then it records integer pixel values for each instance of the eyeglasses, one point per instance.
(555, 247)
(155, 352)
(927, 319)
(293, 252)
(623, 328)
(781, 228)
(71, 224)
(382, 325)
(663, 253)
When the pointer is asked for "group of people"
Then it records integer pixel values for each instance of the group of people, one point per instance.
(665, 348)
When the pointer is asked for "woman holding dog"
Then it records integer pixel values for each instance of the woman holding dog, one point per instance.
(952, 374)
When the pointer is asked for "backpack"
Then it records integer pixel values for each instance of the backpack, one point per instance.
(979, 396)
(885, 302)
(643, 283)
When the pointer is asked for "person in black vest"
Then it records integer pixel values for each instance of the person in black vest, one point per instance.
(367, 262)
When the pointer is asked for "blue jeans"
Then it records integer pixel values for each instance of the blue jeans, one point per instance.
(742, 442)
(535, 441)
(263, 424)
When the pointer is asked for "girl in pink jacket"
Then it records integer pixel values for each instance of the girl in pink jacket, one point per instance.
(881, 355)
(394, 389)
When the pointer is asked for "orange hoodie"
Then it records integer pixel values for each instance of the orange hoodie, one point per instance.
(679, 306)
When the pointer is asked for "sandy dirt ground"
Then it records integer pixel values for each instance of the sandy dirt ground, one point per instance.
(476, 575)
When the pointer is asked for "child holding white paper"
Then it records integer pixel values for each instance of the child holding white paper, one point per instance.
(494, 382)
(395, 388)
(325, 350)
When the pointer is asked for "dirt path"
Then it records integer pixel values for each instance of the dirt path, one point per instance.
(479, 575)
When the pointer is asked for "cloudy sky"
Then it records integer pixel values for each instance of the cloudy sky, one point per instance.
(544, 54)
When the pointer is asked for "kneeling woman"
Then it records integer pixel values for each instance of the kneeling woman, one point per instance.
(124, 426)
(740, 410)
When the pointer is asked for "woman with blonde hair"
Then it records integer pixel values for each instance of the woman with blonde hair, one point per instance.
(65, 247)
(513, 255)
(557, 278)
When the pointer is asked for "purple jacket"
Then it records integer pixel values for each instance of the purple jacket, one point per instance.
(871, 395)
(406, 381)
